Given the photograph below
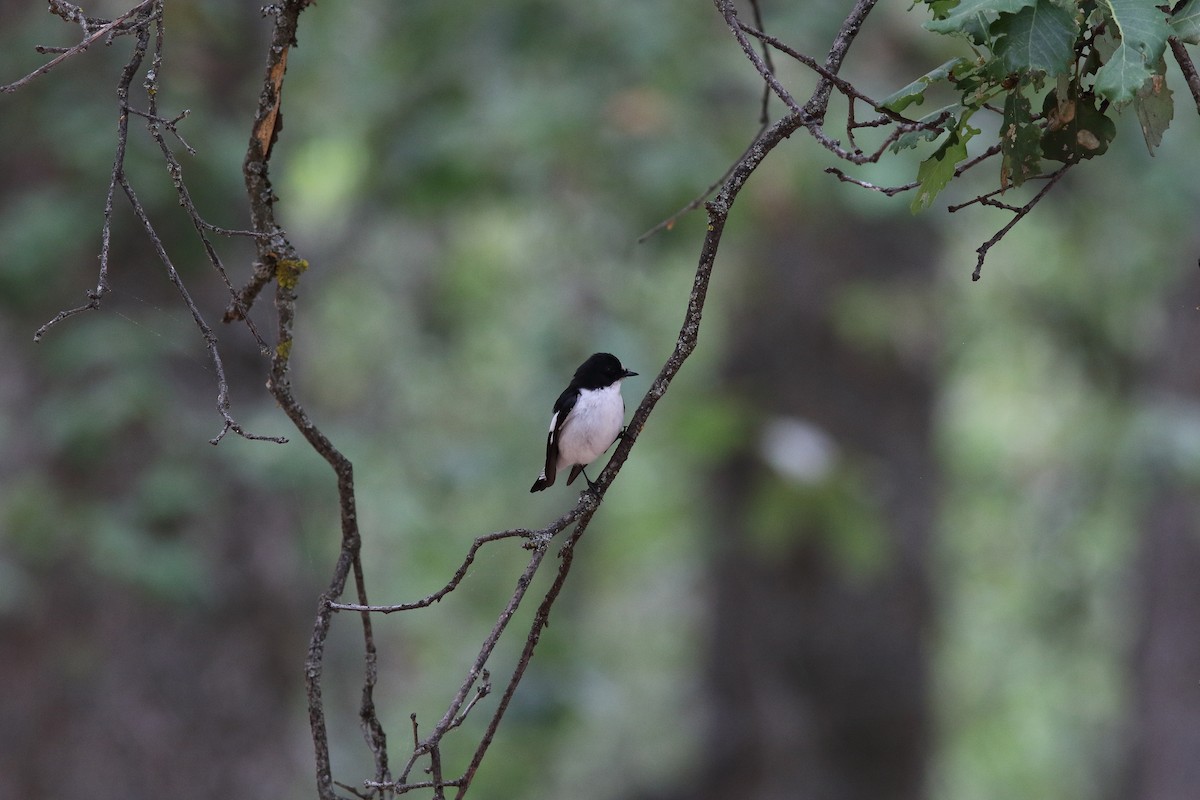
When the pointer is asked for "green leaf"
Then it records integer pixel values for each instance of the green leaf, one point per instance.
(915, 91)
(971, 15)
(1075, 129)
(1186, 22)
(1144, 31)
(913, 138)
(1122, 75)
(1104, 44)
(1155, 108)
(1020, 141)
(1037, 38)
(937, 171)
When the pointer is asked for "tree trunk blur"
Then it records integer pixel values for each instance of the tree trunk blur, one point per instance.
(1165, 753)
(818, 671)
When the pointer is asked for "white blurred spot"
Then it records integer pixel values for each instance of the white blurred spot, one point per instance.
(798, 449)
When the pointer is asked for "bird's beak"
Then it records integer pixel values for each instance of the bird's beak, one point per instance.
(628, 373)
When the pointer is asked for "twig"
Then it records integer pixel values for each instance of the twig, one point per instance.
(481, 691)
(354, 791)
(170, 125)
(1188, 67)
(842, 41)
(99, 33)
(890, 191)
(669, 222)
(764, 113)
(984, 200)
(118, 170)
(210, 339)
(1019, 214)
(433, 740)
(454, 581)
(764, 68)
(405, 788)
(154, 123)
(827, 75)
(813, 113)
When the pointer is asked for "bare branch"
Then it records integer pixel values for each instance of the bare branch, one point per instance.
(764, 116)
(1188, 68)
(669, 223)
(454, 581)
(843, 86)
(1019, 214)
(890, 191)
(764, 69)
(155, 123)
(118, 171)
(210, 339)
(116, 26)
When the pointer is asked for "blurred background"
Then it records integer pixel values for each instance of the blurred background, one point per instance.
(891, 533)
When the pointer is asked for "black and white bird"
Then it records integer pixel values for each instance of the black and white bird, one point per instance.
(587, 419)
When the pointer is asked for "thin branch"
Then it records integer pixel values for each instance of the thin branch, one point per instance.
(405, 788)
(1019, 214)
(764, 69)
(73, 13)
(827, 75)
(210, 339)
(669, 223)
(842, 41)
(433, 740)
(481, 691)
(118, 171)
(244, 298)
(987, 199)
(891, 191)
(354, 791)
(764, 116)
(171, 126)
(113, 27)
(541, 619)
(814, 111)
(454, 581)
(1188, 68)
(154, 124)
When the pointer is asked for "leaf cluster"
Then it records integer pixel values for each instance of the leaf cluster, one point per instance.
(1056, 71)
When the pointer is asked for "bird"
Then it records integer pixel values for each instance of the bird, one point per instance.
(587, 419)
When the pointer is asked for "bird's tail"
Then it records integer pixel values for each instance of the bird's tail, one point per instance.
(541, 483)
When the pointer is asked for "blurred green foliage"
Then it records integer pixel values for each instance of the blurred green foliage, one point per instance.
(468, 185)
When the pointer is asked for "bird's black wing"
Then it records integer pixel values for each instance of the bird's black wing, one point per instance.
(562, 409)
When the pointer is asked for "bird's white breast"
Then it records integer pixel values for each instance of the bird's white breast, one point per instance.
(592, 425)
